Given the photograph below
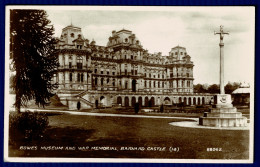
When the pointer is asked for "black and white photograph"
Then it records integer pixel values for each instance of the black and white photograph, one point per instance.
(129, 84)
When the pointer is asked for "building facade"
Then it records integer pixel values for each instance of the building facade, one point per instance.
(121, 73)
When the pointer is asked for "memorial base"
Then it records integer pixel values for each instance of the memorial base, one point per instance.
(223, 114)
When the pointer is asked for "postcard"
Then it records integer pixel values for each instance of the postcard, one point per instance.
(159, 84)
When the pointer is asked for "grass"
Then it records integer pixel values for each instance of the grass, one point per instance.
(98, 131)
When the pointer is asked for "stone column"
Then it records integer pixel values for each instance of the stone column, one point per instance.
(222, 90)
(221, 46)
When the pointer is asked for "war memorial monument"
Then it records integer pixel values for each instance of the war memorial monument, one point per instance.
(222, 113)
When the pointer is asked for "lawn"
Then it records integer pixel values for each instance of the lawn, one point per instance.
(137, 136)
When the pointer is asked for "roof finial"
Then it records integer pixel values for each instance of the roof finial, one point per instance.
(71, 20)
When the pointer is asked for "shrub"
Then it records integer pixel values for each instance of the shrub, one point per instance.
(27, 125)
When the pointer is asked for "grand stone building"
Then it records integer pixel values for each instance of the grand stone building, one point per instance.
(121, 73)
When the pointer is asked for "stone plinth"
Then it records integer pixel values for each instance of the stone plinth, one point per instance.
(223, 114)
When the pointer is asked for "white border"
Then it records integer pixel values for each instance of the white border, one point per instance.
(101, 160)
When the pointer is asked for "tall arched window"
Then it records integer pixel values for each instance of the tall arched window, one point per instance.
(126, 85)
(113, 82)
(79, 62)
(96, 80)
(102, 81)
(82, 77)
(70, 77)
(78, 77)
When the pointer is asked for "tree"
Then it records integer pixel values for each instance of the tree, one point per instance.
(33, 56)
(199, 88)
(230, 87)
(213, 88)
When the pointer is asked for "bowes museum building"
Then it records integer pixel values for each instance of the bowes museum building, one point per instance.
(121, 73)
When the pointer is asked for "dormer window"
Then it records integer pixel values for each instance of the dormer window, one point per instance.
(65, 35)
(79, 46)
(126, 40)
(137, 42)
(72, 35)
(79, 36)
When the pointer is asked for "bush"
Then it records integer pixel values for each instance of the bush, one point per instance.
(27, 125)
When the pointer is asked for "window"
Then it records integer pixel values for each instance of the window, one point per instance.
(158, 75)
(70, 77)
(176, 53)
(79, 36)
(70, 64)
(132, 57)
(78, 77)
(150, 75)
(132, 71)
(79, 46)
(113, 73)
(101, 72)
(107, 72)
(125, 72)
(102, 81)
(181, 53)
(126, 85)
(72, 35)
(95, 71)
(163, 84)
(96, 80)
(125, 56)
(150, 84)
(158, 84)
(82, 77)
(154, 84)
(107, 80)
(135, 72)
(188, 75)
(79, 62)
(145, 84)
(126, 40)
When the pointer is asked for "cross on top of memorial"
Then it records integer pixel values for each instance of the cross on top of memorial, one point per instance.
(221, 33)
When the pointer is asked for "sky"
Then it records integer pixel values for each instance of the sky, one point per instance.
(161, 28)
